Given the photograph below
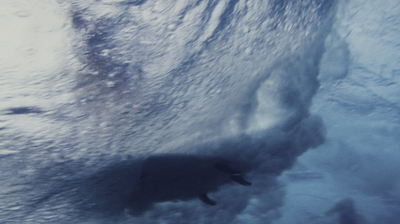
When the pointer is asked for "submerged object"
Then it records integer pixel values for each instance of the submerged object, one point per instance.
(346, 211)
(171, 177)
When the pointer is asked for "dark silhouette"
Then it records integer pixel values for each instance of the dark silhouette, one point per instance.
(347, 212)
(181, 177)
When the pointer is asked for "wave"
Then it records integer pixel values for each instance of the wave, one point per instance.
(206, 79)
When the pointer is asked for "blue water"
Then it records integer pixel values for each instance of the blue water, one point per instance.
(300, 98)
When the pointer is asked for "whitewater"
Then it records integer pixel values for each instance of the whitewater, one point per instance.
(231, 111)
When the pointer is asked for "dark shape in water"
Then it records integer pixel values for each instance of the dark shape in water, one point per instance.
(24, 110)
(181, 177)
(347, 212)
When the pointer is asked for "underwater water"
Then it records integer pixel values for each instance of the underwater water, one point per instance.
(135, 111)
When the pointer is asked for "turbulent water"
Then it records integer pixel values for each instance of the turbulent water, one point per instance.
(301, 97)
